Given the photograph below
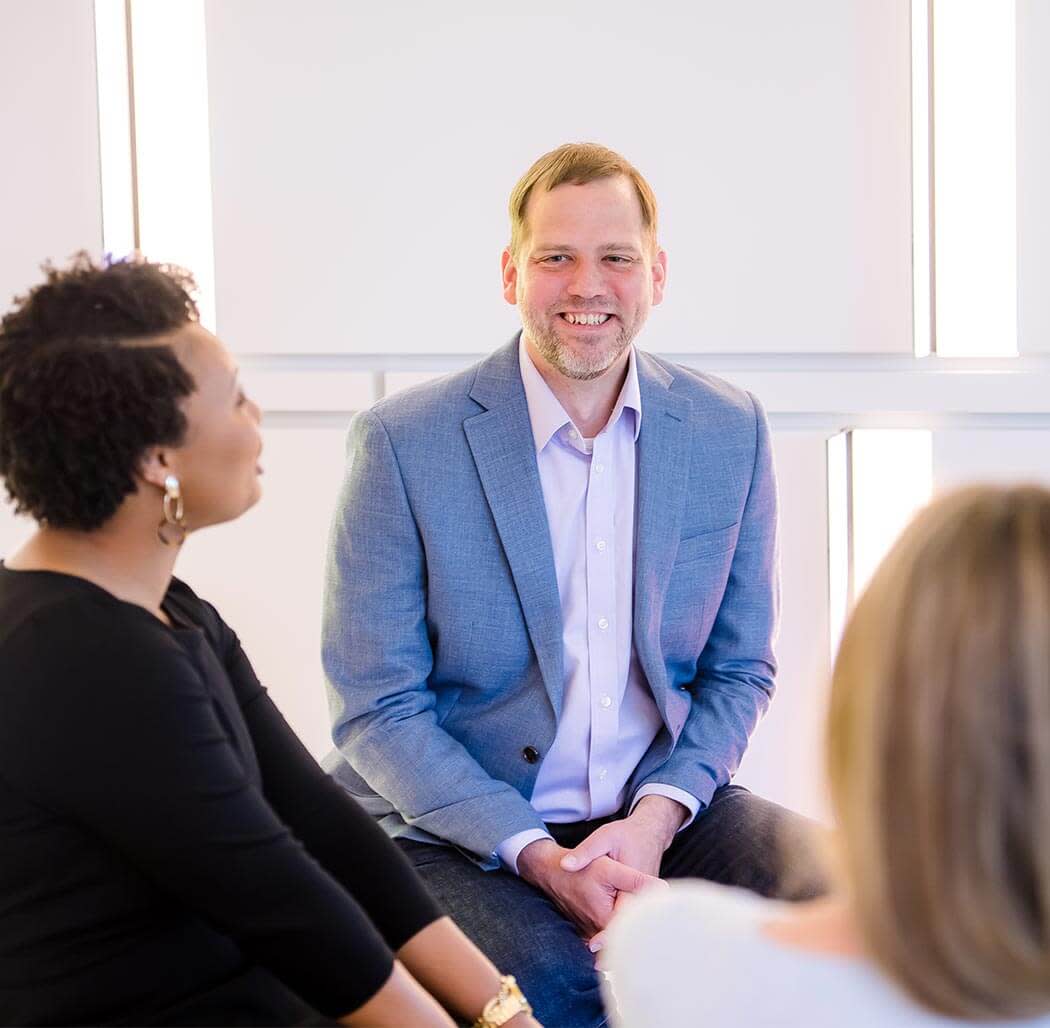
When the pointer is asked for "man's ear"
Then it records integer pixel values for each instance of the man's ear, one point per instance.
(659, 276)
(510, 277)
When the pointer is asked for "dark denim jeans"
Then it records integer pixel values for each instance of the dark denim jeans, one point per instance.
(738, 840)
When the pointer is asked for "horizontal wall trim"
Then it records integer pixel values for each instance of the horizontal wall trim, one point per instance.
(714, 362)
(828, 422)
(833, 422)
(916, 389)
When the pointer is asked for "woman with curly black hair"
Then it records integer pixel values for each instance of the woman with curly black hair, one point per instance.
(171, 853)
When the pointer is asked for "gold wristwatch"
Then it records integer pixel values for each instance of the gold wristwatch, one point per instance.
(507, 1003)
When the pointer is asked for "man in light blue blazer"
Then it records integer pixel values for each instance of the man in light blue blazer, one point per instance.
(552, 595)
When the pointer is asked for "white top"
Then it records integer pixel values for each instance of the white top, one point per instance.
(695, 954)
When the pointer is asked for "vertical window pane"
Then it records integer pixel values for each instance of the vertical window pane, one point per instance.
(975, 176)
(171, 136)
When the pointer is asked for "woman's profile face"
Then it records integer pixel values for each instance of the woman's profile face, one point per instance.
(218, 463)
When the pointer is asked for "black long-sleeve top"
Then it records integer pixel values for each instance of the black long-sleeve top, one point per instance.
(169, 851)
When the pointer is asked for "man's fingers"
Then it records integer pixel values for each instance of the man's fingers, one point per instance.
(624, 878)
(597, 942)
(594, 846)
(624, 898)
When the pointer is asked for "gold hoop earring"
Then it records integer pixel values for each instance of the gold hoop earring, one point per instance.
(172, 530)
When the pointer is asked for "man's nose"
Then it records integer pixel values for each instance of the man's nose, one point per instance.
(586, 280)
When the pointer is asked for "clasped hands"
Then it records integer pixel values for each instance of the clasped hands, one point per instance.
(615, 862)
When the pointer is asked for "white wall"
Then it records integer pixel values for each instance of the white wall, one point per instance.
(264, 572)
(363, 155)
(989, 455)
(784, 762)
(1033, 174)
(50, 190)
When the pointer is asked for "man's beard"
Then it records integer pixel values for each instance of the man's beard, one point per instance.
(592, 363)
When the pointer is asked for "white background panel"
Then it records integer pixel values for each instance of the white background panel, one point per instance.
(1033, 175)
(784, 762)
(986, 455)
(50, 193)
(396, 381)
(13, 530)
(264, 572)
(363, 156)
(286, 387)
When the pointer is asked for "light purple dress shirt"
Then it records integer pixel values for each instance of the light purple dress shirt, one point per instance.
(608, 718)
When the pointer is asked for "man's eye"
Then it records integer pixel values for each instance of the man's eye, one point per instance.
(617, 258)
(555, 258)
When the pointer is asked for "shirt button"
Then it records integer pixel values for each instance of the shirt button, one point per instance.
(602, 774)
(603, 623)
(531, 754)
(599, 468)
(606, 701)
(573, 434)
(600, 545)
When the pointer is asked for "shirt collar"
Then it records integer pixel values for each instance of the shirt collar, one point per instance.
(546, 412)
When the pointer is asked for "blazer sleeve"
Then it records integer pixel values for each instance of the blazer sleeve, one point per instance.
(377, 657)
(737, 667)
(108, 723)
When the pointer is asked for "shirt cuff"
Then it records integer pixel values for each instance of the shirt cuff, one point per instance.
(508, 850)
(687, 799)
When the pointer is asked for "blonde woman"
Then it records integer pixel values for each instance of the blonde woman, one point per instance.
(938, 750)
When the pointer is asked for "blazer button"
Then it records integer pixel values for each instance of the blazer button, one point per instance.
(531, 754)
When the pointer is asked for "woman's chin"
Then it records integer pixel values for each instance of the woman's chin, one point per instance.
(256, 496)
(233, 513)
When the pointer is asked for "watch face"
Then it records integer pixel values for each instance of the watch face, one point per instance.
(506, 1005)
(507, 1010)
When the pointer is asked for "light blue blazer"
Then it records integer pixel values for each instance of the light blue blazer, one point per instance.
(442, 638)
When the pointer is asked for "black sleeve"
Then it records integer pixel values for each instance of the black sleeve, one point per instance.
(332, 826)
(107, 722)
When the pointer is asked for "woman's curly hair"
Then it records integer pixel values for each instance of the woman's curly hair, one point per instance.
(83, 393)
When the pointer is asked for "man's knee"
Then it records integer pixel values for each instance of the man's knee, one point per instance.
(745, 840)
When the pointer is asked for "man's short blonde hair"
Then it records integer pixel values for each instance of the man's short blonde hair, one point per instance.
(577, 163)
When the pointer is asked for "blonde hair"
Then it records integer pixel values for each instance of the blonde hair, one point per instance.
(938, 753)
(577, 163)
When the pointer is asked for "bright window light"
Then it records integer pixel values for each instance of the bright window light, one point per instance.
(975, 176)
(114, 128)
(172, 143)
(840, 591)
(922, 258)
(891, 477)
(877, 480)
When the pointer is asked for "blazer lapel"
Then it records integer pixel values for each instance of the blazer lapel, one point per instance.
(663, 455)
(500, 439)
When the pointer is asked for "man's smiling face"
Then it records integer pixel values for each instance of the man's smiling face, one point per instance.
(586, 275)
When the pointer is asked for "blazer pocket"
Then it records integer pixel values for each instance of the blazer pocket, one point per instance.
(707, 544)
